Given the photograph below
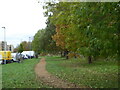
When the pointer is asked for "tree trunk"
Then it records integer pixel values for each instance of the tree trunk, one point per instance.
(61, 54)
(94, 58)
(67, 57)
(89, 59)
(64, 53)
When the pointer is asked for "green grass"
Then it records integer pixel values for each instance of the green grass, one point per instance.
(100, 74)
(20, 75)
(0, 76)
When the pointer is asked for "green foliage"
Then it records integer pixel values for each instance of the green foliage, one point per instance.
(24, 46)
(20, 48)
(20, 75)
(38, 42)
(43, 40)
(87, 28)
(100, 74)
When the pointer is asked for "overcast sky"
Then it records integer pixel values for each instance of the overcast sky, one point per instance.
(22, 19)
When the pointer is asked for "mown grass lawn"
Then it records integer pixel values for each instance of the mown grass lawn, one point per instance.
(100, 74)
(20, 75)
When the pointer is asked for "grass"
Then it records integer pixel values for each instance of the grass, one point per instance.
(0, 76)
(100, 74)
(20, 75)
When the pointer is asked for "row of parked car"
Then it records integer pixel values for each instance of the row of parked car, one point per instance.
(7, 56)
(23, 55)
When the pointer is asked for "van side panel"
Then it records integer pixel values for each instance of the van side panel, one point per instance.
(6, 55)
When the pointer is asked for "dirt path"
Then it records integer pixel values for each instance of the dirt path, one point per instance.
(49, 79)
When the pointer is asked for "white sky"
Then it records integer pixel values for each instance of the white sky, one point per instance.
(22, 19)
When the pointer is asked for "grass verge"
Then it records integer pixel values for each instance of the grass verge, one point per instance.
(20, 75)
(100, 74)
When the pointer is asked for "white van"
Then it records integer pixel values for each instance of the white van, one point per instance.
(29, 54)
(14, 56)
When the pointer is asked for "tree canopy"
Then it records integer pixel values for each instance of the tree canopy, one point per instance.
(43, 40)
(86, 28)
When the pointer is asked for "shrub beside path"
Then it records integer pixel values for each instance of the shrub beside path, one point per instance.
(49, 79)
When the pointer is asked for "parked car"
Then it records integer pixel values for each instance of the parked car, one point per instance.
(28, 54)
(17, 57)
(0, 59)
(5, 56)
(14, 56)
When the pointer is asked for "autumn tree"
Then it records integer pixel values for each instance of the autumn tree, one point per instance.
(86, 28)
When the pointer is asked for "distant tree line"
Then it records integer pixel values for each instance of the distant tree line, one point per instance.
(23, 46)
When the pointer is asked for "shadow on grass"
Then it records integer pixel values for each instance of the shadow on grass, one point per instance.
(79, 62)
(84, 63)
(99, 74)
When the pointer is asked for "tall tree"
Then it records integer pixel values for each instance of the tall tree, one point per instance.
(86, 28)
(20, 48)
(38, 43)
